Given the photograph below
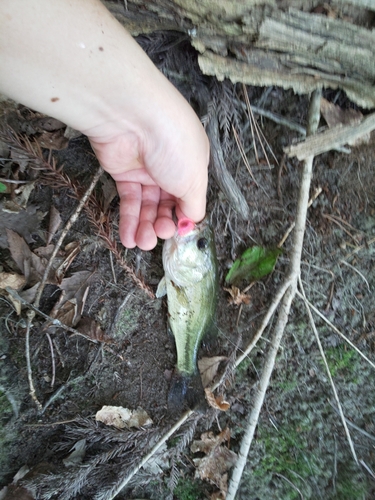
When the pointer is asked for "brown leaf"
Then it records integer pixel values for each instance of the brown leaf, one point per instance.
(216, 402)
(208, 368)
(30, 294)
(72, 250)
(218, 460)
(90, 328)
(123, 417)
(334, 115)
(66, 312)
(54, 223)
(70, 306)
(25, 221)
(52, 140)
(30, 264)
(237, 297)
(15, 281)
(109, 190)
(45, 252)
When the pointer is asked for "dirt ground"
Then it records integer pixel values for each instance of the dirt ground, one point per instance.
(300, 448)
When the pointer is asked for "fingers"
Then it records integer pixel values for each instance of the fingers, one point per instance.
(164, 225)
(145, 237)
(138, 213)
(130, 205)
(193, 205)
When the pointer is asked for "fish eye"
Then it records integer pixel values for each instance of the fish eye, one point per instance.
(202, 243)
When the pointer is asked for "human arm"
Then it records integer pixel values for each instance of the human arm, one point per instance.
(74, 61)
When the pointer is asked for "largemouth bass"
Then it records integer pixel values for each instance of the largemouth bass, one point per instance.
(191, 284)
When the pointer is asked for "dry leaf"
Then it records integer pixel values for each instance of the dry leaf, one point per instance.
(68, 309)
(237, 297)
(52, 140)
(30, 264)
(90, 328)
(334, 115)
(16, 304)
(72, 250)
(15, 281)
(54, 223)
(123, 417)
(25, 221)
(46, 252)
(23, 193)
(109, 190)
(208, 368)
(218, 460)
(30, 294)
(216, 402)
(66, 312)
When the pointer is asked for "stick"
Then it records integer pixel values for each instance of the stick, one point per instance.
(30, 317)
(293, 274)
(67, 227)
(332, 138)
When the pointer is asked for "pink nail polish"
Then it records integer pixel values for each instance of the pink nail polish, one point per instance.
(184, 226)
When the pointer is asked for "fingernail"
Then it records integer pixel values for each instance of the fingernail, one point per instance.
(184, 226)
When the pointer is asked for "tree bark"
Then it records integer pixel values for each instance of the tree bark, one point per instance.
(289, 43)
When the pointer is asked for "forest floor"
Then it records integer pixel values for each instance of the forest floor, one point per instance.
(124, 356)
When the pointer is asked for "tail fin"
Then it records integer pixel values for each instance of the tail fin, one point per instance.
(186, 392)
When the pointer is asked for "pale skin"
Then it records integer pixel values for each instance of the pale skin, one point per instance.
(74, 61)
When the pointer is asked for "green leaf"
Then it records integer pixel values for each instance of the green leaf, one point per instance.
(255, 263)
(3, 188)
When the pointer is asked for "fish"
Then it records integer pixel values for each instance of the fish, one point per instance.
(191, 285)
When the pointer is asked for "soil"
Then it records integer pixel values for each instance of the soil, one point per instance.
(300, 449)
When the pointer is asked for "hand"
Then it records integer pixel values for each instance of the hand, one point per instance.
(158, 168)
(77, 63)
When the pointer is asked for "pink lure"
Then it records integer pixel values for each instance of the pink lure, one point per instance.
(184, 226)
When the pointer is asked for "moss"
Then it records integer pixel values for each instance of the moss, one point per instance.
(342, 359)
(187, 489)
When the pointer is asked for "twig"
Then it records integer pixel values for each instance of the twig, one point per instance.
(243, 154)
(331, 139)
(13, 181)
(337, 330)
(256, 128)
(112, 267)
(327, 216)
(293, 274)
(291, 484)
(30, 317)
(53, 359)
(65, 231)
(358, 272)
(369, 470)
(322, 353)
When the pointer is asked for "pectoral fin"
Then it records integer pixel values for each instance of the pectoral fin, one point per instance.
(162, 288)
